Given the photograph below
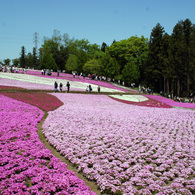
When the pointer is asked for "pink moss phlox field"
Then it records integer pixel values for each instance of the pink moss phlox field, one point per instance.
(125, 148)
(80, 79)
(26, 166)
(171, 102)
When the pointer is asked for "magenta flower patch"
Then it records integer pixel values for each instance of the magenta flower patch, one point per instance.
(26, 166)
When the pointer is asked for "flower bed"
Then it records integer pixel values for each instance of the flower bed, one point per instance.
(26, 166)
(135, 101)
(30, 81)
(124, 148)
(8, 82)
(85, 80)
(43, 101)
(9, 88)
(33, 82)
(171, 102)
(131, 98)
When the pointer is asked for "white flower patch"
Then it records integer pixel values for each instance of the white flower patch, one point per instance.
(132, 98)
(50, 81)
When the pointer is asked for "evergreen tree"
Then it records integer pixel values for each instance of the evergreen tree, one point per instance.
(183, 51)
(103, 47)
(29, 60)
(192, 61)
(187, 32)
(177, 52)
(167, 67)
(35, 59)
(23, 57)
(154, 67)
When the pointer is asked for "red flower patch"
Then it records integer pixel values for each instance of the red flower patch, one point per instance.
(149, 103)
(43, 101)
(9, 87)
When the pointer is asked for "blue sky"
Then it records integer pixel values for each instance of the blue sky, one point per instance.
(96, 20)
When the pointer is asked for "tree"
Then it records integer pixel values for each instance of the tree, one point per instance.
(177, 50)
(23, 57)
(153, 71)
(82, 58)
(109, 66)
(167, 67)
(114, 41)
(92, 66)
(35, 59)
(187, 31)
(48, 62)
(53, 46)
(192, 60)
(82, 50)
(92, 50)
(183, 51)
(61, 57)
(103, 47)
(72, 63)
(62, 47)
(134, 47)
(16, 62)
(29, 60)
(130, 72)
(7, 62)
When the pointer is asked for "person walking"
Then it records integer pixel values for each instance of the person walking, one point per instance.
(87, 89)
(55, 87)
(98, 89)
(68, 86)
(61, 87)
(90, 89)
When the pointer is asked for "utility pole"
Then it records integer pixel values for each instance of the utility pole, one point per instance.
(35, 40)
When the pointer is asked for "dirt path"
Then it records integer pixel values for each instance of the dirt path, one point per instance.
(92, 185)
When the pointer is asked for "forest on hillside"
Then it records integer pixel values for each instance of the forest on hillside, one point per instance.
(163, 62)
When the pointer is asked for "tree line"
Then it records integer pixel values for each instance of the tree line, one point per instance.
(163, 63)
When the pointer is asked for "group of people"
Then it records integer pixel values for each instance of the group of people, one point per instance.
(75, 74)
(60, 87)
(190, 99)
(13, 69)
(90, 76)
(145, 90)
(48, 72)
(89, 89)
